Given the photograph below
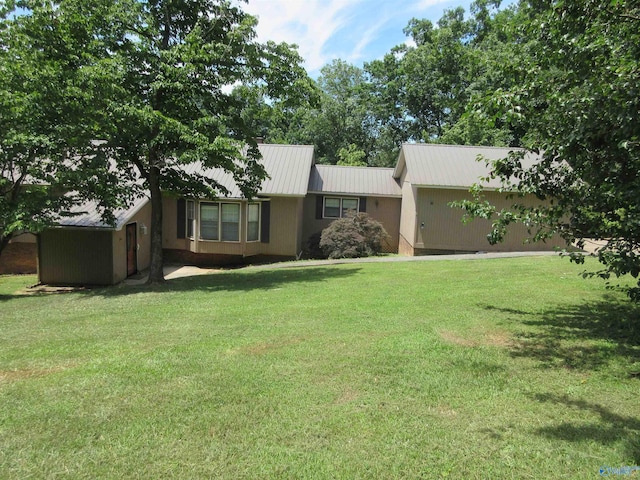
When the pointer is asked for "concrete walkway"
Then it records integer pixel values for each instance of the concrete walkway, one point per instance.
(177, 271)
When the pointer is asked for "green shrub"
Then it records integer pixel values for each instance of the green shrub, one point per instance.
(353, 236)
(312, 247)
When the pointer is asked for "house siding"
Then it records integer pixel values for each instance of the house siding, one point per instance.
(385, 210)
(285, 233)
(286, 228)
(407, 230)
(444, 231)
(143, 217)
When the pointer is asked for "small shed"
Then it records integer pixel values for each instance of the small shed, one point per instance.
(83, 250)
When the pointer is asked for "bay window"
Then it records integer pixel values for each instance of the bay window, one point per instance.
(209, 219)
(230, 222)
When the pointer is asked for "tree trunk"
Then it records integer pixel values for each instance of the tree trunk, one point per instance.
(156, 274)
(4, 241)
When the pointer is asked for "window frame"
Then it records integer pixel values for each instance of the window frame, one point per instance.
(340, 208)
(238, 223)
(259, 222)
(219, 231)
(190, 217)
(200, 223)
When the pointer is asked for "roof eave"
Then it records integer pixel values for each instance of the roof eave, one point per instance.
(352, 194)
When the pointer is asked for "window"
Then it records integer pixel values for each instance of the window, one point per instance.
(349, 205)
(218, 221)
(191, 218)
(253, 222)
(335, 207)
(209, 216)
(230, 222)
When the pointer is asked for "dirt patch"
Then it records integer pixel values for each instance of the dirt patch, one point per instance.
(451, 337)
(478, 338)
(444, 411)
(348, 395)
(49, 289)
(263, 348)
(26, 373)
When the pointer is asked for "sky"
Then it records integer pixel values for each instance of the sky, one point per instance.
(356, 31)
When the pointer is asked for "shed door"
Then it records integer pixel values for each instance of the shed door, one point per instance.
(132, 249)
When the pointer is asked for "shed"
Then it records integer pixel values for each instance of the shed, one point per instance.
(83, 250)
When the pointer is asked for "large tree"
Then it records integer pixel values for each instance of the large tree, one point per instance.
(43, 86)
(160, 74)
(579, 104)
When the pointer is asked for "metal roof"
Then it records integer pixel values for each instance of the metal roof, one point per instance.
(361, 181)
(450, 166)
(87, 215)
(288, 167)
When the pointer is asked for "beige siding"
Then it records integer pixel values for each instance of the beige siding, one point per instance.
(169, 225)
(444, 230)
(284, 238)
(143, 217)
(221, 248)
(408, 211)
(75, 256)
(383, 209)
(24, 238)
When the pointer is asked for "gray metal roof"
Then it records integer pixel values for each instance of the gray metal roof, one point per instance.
(87, 215)
(288, 167)
(450, 166)
(361, 181)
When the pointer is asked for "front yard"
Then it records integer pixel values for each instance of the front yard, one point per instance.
(506, 368)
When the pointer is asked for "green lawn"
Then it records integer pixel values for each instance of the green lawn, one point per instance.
(506, 368)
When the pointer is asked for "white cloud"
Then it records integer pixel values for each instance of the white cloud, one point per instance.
(352, 30)
(308, 23)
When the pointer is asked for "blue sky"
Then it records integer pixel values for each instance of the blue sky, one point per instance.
(356, 31)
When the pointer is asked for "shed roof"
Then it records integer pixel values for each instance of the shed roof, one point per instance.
(87, 215)
(361, 181)
(450, 166)
(288, 167)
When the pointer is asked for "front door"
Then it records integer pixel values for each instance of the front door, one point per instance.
(132, 249)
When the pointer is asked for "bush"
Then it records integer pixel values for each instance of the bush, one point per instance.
(353, 236)
(312, 247)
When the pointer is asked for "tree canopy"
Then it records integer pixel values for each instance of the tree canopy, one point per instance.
(578, 105)
(157, 89)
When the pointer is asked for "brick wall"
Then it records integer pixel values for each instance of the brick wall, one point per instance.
(19, 257)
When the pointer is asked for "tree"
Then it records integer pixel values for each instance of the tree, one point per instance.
(351, 156)
(42, 87)
(160, 77)
(580, 108)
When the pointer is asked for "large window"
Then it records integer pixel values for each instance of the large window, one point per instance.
(230, 222)
(336, 207)
(209, 221)
(219, 221)
(253, 222)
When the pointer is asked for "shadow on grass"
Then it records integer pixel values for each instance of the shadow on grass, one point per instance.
(583, 336)
(611, 427)
(234, 280)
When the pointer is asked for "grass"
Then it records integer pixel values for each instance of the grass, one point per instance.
(506, 368)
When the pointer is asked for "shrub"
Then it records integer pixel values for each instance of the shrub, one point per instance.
(353, 236)
(312, 247)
